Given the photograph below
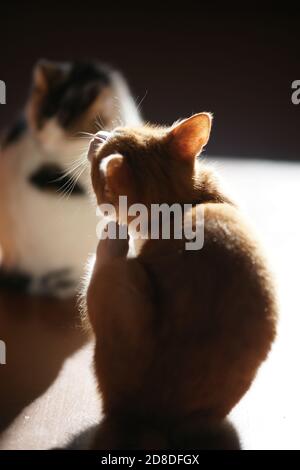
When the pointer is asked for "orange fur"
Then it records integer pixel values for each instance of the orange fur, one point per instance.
(179, 334)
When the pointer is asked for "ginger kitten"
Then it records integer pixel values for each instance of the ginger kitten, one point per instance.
(179, 334)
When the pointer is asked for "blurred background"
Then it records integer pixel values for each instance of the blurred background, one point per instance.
(179, 59)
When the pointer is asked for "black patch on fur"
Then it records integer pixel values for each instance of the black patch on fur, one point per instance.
(50, 177)
(48, 285)
(56, 281)
(15, 132)
(69, 97)
(14, 280)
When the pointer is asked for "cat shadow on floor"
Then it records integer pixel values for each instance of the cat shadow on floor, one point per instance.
(40, 334)
(222, 437)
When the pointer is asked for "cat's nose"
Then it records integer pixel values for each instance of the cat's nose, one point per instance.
(102, 135)
(97, 140)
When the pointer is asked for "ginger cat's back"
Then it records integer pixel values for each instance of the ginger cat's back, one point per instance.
(180, 333)
(208, 320)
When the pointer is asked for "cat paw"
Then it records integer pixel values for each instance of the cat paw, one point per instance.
(115, 245)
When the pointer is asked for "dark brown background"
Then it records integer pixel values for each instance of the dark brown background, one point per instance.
(239, 66)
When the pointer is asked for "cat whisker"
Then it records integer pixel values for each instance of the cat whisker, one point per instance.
(99, 123)
(79, 164)
(138, 105)
(71, 170)
(85, 134)
(68, 187)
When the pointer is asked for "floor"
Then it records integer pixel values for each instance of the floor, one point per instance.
(47, 387)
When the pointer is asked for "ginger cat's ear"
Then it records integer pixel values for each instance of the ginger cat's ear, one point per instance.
(116, 172)
(188, 137)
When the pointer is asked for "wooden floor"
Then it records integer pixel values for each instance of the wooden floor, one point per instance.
(47, 388)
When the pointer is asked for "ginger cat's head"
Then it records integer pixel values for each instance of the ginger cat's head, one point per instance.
(148, 164)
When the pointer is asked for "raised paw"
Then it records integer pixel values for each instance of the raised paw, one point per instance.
(114, 245)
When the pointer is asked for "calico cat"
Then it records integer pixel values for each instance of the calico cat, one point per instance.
(179, 334)
(45, 237)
